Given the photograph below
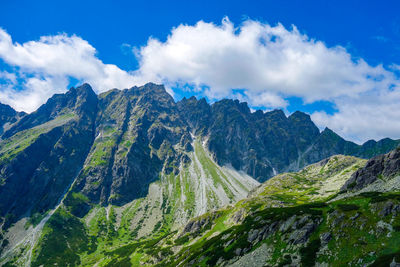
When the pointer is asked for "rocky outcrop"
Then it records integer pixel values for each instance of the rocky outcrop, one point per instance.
(197, 113)
(200, 224)
(380, 167)
(263, 144)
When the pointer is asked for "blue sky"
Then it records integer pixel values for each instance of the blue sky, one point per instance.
(359, 39)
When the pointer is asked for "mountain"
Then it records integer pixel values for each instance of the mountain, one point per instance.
(87, 177)
(264, 144)
(125, 152)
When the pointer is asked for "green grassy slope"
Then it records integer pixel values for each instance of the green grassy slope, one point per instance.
(10, 147)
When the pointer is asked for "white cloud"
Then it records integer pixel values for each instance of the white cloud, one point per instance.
(49, 62)
(8, 77)
(36, 90)
(267, 99)
(272, 63)
(375, 115)
(266, 63)
(260, 58)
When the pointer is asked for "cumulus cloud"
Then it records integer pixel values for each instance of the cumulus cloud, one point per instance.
(260, 58)
(272, 63)
(374, 115)
(35, 91)
(44, 67)
(266, 64)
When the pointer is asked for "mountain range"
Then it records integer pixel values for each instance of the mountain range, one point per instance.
(132, 177)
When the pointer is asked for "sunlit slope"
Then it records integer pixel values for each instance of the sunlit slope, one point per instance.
(316, 182)
(303, 219)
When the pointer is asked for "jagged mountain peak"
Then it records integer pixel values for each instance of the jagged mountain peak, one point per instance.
(7, 110)
(229, 105)
(194, 100)
(150, 88)
(327, 131)
(382, 142)
(371, 143)
(277, 113)
(271, 141)
(82, 89)
(149, 94)
(299, 115)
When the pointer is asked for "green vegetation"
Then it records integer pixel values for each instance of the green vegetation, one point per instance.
(77, 203)
(101, 152)
(341, 251)
(314, 183)
(348, 207)
(62, 240)
(11, 147)
(115, 235)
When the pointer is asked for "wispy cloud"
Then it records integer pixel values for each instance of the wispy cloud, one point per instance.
(380, 38)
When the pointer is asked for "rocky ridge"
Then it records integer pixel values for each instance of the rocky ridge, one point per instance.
(264, 144)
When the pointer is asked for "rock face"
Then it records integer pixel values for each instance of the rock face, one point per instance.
(263, 144)
(139, 133)
(380, 167)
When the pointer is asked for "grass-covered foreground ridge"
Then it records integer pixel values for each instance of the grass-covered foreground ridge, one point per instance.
(356, 231)
(304, 219)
